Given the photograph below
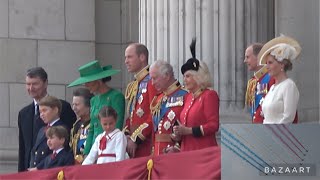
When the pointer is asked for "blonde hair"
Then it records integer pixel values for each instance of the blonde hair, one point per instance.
(202, 76)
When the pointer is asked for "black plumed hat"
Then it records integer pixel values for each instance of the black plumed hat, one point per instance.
(192, 63)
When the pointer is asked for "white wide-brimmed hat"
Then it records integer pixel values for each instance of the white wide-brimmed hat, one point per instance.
(280, 48)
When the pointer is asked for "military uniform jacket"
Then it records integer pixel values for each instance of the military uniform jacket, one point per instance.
(40, 149)
(201, 112)
(78, 137)
(257, 88)
(113, 98)
(139, 94)
(63, 158)
(107, 148)
(29, 128)
(166, 109)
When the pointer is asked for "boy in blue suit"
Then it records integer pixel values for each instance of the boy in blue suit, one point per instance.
(50, 109)
(57, 142)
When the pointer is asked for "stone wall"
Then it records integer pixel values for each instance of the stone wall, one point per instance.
(58, 35)
(301, 21)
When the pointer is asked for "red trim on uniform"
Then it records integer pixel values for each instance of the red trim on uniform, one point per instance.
(107, 155)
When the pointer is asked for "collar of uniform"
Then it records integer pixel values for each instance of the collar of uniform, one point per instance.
(173, 87)
(143, 73)
(261, 72)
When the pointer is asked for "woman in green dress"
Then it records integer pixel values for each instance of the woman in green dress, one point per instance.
(95, 78)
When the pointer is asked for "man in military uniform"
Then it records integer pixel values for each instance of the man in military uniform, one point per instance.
(139, 94)
(165, 107)
(259, 85)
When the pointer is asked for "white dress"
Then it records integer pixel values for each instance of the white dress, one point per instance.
(280, 104)
(115, 148)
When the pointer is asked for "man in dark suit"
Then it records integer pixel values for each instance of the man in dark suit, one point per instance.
(29, 121)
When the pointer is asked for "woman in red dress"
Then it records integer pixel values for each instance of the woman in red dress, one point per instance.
(199, 119)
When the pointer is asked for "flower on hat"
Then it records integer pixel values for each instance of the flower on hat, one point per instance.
(284, 51)
(281, 48)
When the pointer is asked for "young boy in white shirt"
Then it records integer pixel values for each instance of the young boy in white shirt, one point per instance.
(109, 146)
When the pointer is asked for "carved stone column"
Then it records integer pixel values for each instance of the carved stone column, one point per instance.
(223, 29)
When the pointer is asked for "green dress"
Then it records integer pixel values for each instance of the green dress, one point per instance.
(113, 98)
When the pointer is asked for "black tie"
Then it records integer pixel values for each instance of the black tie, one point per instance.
(37, 123)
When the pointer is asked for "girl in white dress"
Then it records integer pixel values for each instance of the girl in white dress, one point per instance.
(280, 104)
(109, 146)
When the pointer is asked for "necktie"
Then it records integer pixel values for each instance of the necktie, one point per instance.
(103, 143)
(54, 155)
(37, 123)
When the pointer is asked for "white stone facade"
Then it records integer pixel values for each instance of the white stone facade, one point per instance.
(224, 28)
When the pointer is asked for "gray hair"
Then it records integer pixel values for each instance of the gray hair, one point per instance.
(37, 72)
(164, 68)
(85, 94)
(202, 76)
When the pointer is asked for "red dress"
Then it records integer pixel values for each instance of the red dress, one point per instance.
(200, 112)
(139, 94)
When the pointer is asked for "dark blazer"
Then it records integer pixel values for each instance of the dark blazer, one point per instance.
(40, 149)
(63, 158)
(29, 128)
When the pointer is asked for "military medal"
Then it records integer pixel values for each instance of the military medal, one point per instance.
(143, 87)
(140, 112)
(180, 101)
(167, 125)
(175, 101)
(140, 99)
(164, 98)
(261, 101)
(171, 115)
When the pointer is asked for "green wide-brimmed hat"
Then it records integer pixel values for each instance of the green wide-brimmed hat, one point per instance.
(93, 71)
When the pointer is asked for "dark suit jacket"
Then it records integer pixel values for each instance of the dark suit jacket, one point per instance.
(28, 130)
(63, 158)
(40, 149)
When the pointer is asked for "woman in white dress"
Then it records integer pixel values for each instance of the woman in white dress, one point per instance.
(280, 104)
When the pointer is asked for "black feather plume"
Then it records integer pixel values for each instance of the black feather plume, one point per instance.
(193, 47)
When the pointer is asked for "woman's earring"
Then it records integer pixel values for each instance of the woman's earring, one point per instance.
(281, 69)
